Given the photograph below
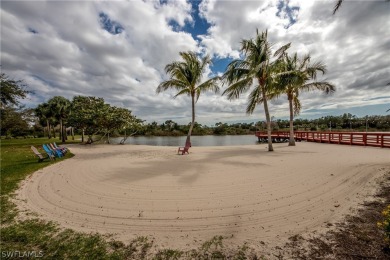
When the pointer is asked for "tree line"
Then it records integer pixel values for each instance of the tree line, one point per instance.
(88, 115)
(345, 122)
(91, 116)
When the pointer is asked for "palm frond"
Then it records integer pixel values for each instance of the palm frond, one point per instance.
(254, 98)
(211, 84)
(282, 50)
(182, 92)
(236, 89)
(179, 70)
(337, 6)
(171, 84)
(236, 70)
(323, 86)
(313, 68)
(304, 62)
(276, 91)
(296, 105)
(197, 94)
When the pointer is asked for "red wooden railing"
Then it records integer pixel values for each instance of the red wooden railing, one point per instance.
(378, 139)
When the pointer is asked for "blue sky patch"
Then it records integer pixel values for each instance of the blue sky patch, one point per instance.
(198, 27)
(220, 64)
(109, 25)
(287, 11)
(31, 30)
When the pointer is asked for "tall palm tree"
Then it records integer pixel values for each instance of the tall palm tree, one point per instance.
(42, 111)
(185, 77)
(257, 66)
(61, 109)
(299, 75)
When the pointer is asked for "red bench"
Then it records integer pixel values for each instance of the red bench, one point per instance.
(184, 149)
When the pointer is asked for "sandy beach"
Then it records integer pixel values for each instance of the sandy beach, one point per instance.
(241, 192)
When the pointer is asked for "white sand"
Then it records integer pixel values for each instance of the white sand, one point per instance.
(242, 192)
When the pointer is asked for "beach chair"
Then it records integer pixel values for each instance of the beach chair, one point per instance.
(61, 147)
(63, 152)
(40, 156)
(184, 149)
(52, 152)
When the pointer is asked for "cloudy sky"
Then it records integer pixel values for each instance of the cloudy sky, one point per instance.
(118, 50)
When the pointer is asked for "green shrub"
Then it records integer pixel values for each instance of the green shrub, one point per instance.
(385, 224)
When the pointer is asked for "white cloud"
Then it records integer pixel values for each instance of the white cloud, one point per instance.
(71, 54)
(353, 44)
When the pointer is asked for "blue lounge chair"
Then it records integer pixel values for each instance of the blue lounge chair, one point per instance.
(49, 150)
(51, 146)
(63, 148)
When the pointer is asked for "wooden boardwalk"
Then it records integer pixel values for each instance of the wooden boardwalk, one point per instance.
(378, 139)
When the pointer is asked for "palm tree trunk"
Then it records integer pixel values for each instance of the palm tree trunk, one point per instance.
(292, 139)
(267, 117)
(193, 119)
(72, 129)
(82, 136)
(48, 129)
(62, 131)
(66, 133)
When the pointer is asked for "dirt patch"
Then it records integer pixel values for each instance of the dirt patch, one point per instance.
(358, 237)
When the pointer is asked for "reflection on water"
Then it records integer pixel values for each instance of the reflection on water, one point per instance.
(207, 140)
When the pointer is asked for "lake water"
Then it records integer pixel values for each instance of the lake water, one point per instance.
(207, 140)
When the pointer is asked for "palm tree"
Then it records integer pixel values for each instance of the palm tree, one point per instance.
(185, 77)
(61, 108)
(256, 66)
(299, 75)
(42, 111)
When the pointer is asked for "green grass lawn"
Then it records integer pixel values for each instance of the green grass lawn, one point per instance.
(17, 162)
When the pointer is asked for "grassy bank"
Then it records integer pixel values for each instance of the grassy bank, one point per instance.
(36, 237)
(17, 162)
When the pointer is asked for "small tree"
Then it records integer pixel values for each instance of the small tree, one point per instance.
(86, 113)
(60, 107)
(13, 121)
(13, 116)
(115, 118)
(44, 114)
(186, 78)
(11, 91)
(298, 75)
